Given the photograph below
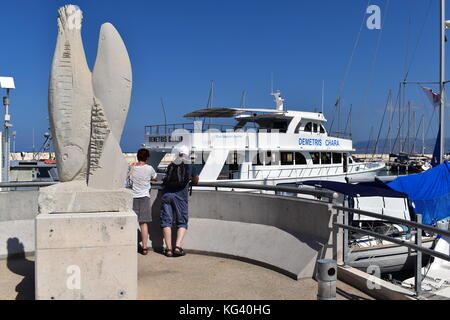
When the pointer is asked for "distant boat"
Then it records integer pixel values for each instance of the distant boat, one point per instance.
(32, 171)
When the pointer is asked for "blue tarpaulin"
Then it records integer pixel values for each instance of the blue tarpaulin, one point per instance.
(429, 191)
(364, 189)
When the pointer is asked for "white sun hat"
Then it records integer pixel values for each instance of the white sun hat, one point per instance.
(182, 150)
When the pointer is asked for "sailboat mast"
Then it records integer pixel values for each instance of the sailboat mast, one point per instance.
(442, 84)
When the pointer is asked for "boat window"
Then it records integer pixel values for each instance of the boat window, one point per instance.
(287, 158)
(325, 157)
(350, 160)
(199, 157)
(300, 158)
(43, 173)
(225, 173)
(268, 160)
(315, 127)
(259, 158)
(337, 157)
(315, 156)
(322, 129)
(270, 124)
(308, 127)
(297, 129)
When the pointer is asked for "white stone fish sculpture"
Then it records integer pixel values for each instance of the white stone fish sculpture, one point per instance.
(88, 110)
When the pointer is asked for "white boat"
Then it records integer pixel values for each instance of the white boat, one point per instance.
(264, 146)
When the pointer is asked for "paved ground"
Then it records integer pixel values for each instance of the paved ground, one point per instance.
(192, 277)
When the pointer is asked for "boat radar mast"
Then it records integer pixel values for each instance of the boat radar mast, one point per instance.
(278, 100)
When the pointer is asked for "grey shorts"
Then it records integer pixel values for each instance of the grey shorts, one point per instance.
(142, 207)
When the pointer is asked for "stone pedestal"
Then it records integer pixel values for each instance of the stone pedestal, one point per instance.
(86, 256)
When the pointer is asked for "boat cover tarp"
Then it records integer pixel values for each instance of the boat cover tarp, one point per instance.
(429, 191)
(365, 189)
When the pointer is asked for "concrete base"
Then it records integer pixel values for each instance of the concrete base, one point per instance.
(86, 256)
(75, 196)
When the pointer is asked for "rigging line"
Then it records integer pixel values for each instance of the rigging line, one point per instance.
(417, 134)
(408, 35)
(355, 46)
(418, 40)
(348, 119)
(375, 56)
(368, 141)
(398, 132)
(408, 131)
(392, 120)
(349, 64)
(382, 122)
(431, 120)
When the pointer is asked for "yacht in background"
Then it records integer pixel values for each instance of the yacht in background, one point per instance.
(264, 146)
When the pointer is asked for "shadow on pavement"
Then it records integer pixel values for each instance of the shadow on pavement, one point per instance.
(349, 296)
(20, 265)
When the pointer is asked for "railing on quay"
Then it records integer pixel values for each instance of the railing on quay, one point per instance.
(417, 246)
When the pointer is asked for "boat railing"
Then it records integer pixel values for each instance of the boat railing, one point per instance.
(28, 185)
(306, 171)
(319, 194)
(190, 127)
(416, 226)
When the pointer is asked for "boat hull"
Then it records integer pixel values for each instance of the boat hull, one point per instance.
(389, 258)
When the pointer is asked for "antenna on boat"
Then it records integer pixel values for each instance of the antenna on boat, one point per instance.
(271, 83)
(211, 95)
(323, 93)
(165, 118)
(244, 99)
(278, 100)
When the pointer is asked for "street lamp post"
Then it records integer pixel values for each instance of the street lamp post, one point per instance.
(8, 84)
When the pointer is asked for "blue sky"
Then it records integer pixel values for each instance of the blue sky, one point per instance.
(178, 47)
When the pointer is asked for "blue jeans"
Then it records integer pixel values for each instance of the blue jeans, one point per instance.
(172, 204)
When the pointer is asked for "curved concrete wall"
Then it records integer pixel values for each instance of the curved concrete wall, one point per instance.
(286, 234)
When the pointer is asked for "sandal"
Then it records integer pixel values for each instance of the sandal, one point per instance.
(144, 251)
(168, 253)
(179, 252)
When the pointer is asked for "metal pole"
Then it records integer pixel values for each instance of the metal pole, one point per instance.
(418, 271)
(345, 249)
(326, 279)
(6, 140)
(442, 84)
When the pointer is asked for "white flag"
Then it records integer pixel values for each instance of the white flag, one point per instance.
(435, 98)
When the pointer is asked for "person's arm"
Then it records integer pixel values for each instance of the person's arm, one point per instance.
(154, 176)
(194, 176)
(194, 180)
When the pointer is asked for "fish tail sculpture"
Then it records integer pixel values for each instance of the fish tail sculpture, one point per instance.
(88, 110)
